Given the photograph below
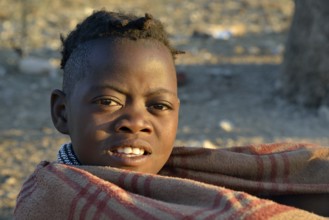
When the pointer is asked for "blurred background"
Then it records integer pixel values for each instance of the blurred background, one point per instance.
(228, 79)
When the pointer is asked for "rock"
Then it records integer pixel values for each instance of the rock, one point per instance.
(254, 50)
(279, 49)
(209, 144)
(238, 50)
(226, 125)
(3, 71)
(34, 65)
(323, 113)
(194, 143)
(11, 181)
(220, 32)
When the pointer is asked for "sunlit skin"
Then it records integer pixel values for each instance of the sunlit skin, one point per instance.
(128, 101)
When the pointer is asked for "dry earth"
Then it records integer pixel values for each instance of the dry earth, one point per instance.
(229, 97)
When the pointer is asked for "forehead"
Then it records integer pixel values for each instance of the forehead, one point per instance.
(121, 54)
(101, 52)
(127, 60)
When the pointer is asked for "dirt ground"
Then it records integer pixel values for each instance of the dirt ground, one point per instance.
(230, 98)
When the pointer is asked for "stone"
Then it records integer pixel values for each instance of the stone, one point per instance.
(220, 32)
(323, 113)
(226, 125)
(34, 65)
(11, 181)
(209, 144)
(3, 71)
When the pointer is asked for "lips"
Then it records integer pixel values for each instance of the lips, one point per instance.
(129, 152)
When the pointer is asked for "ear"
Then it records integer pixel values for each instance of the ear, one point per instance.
(59, 111)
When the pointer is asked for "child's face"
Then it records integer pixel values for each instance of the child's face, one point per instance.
(127, 106)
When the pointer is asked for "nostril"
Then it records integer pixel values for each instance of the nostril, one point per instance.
(125, 129)
(147, 130)
(132, 126)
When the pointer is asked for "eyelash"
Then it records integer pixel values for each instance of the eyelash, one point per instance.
(156, 106)
(163, 107)
(109, 102)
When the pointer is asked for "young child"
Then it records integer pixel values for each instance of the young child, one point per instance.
(119, 105)
(119, 102)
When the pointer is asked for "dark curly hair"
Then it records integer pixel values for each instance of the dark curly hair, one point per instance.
(104, 24)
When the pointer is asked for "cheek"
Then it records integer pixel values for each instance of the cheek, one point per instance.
(98, 127)
(89, 125)
(168, 130)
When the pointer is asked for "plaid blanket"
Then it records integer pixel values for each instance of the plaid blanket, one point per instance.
(196, 183)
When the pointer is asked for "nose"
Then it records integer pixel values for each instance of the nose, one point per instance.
(133, 122)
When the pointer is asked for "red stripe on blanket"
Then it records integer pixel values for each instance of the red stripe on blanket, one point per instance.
(260, 173)
(103, 208)
(230, 199)
(239, 202)
(161, 206)
(155, 204)
(83, 191)
(29, 186)
(26, 186)
(25, 193)
(274, 167)
(91, 200)
(147, 186)
(115, 194)
(245, 205)
(134, 183)
(217, 200)
(286, 172)
(74, 185)
(250, 207)
(101, 183)
(122, 178)
(274, 172)
(227, 207)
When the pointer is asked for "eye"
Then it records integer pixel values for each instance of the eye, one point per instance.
(160, 107)
(107, 102)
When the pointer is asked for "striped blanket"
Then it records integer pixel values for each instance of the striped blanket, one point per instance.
(196, 183)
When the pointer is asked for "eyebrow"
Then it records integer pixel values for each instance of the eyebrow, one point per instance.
(160, 91)
(108, 86)
(122, 91)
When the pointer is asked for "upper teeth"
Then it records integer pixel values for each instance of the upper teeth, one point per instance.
(130, 150)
